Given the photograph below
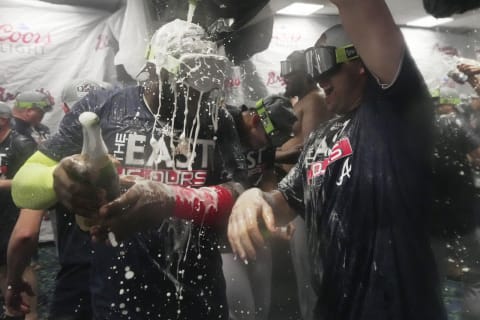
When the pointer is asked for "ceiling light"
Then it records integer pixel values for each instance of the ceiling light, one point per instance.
(300, 9)
(428, 22)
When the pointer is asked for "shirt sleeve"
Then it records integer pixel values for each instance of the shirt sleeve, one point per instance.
(408, 88)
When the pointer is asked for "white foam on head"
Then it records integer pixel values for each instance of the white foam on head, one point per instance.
(204, 71)
(177, 38)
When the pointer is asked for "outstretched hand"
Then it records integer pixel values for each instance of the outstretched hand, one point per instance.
(144, 205)
(244, 234)
(468, 69)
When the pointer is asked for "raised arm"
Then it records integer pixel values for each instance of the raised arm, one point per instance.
(377, 38)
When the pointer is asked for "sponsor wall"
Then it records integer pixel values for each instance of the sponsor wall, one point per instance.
(44, 45)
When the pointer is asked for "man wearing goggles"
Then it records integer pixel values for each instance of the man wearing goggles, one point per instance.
(362, 180)
(325, 61)
(309, 108)
(184, 152)
(261, 128)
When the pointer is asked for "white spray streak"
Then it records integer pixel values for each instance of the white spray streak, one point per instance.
(191, 11)
(197, 131)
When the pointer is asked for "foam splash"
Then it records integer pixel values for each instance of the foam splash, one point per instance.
(112, 239)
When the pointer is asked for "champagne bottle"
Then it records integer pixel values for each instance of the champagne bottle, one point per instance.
(101, 170)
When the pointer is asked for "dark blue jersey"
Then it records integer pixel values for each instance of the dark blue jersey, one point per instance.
(258, 162)
(362, 184)
(173, 270)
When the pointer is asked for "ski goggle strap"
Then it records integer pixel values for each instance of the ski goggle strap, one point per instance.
(265, 119)
(447, 100)
(323, 59)
(439, 99)
(169, 63)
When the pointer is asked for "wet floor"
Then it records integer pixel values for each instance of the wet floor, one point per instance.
(284, 300)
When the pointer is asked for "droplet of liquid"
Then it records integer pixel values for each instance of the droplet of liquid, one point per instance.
(129, 274)
(112, 239)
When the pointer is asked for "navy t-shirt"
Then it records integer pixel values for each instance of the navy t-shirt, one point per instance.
(362, 184)
(173, 270)
(258, 162)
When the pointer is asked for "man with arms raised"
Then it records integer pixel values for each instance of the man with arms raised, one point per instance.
(362, 181)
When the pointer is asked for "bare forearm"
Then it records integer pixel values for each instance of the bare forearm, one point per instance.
(23, 243)
(5, 184)
(375, 35)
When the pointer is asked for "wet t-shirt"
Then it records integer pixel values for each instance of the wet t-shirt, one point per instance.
(455, 196)
(172, 271)
(258, 162)
(362, 184)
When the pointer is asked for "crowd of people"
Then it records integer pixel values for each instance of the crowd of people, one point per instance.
(366, 173)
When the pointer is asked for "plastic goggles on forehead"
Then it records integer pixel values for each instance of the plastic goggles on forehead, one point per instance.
(202, 72)
(323, 61)
(287, 67)
(42, 105)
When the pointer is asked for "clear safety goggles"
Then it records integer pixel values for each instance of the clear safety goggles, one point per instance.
(202, 72)
(324, 61)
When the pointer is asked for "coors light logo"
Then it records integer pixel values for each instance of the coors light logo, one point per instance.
(23, 40)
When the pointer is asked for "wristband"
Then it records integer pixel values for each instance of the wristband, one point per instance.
(207, 205)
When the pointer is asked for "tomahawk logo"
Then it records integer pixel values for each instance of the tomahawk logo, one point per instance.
(340, 150)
